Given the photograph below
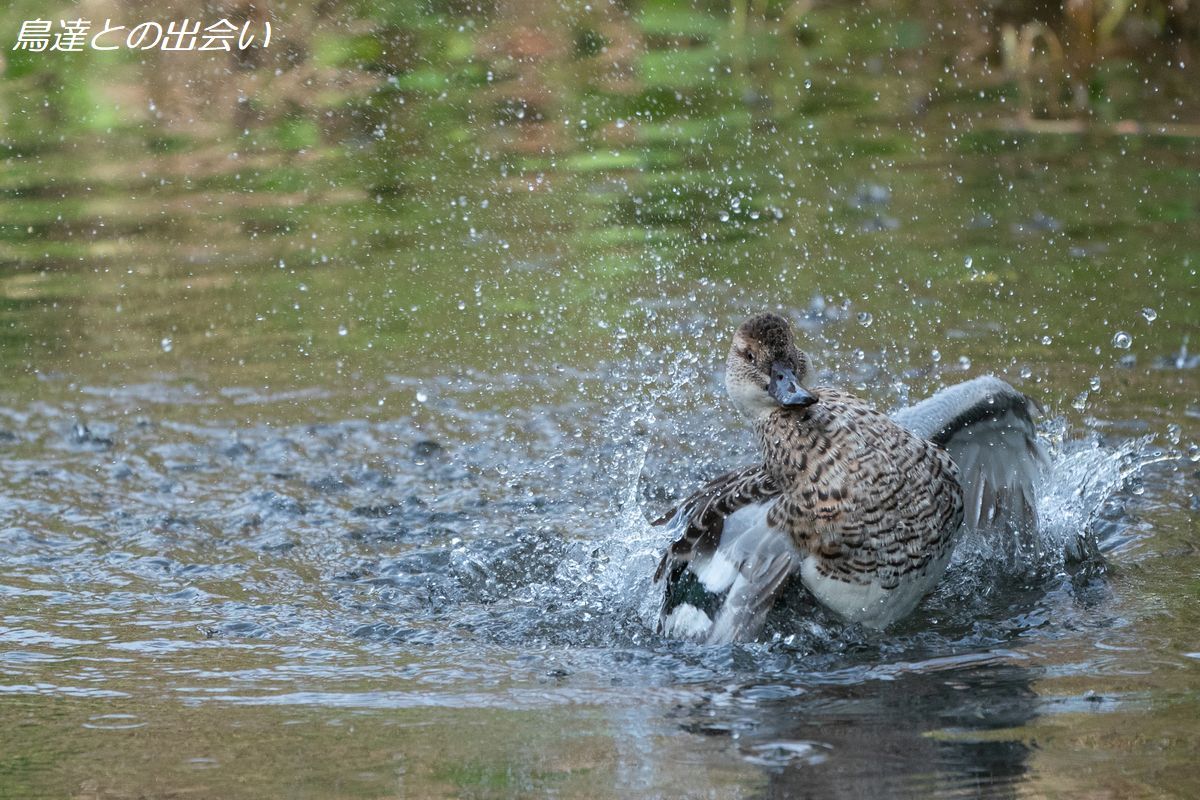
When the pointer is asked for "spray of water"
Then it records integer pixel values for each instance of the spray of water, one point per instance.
(1085, 484)
(583, 577)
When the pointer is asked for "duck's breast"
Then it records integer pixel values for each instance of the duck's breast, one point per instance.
(875, 509)
(870, 603)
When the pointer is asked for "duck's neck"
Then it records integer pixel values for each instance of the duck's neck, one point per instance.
(786, 439)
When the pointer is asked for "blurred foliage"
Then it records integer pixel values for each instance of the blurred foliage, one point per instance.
(641, 128)
(350, 66)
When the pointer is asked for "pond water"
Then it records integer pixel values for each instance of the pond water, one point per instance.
(328, 435)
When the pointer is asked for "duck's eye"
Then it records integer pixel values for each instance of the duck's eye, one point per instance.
(748, 355)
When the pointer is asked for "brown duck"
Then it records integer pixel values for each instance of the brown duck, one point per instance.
(866, 509)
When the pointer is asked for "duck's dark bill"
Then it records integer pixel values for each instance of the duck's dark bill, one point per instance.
(786, 388)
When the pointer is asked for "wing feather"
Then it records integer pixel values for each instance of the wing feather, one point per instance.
(726, 563)
(989, 429)
(701, 517)
(725, 566)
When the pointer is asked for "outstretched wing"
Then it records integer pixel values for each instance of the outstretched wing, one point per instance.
(988, 427)
(701, 517)
(722, 571)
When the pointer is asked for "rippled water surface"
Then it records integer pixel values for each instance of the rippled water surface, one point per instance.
(328, 440)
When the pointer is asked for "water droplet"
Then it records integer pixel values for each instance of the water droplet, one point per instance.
(1026, 373)
(1080, 401)
(968, 262)
(342, 330)
(1150, 314)
(422, 397)
(964, 363)
(167, 344)
(1122, 340)
(1047, 339)
(865, 319)
(1095, 383)
(936, 355)
(1173, 433)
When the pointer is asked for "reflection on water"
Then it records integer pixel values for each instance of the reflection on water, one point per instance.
(338, 390)
(881, 739)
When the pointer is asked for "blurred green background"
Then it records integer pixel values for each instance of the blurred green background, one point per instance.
(380, 164)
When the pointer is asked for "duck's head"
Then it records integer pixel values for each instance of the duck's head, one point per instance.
(765, 370)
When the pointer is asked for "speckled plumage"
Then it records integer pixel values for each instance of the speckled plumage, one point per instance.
(864, 509)
(706, 510)
(866, 499)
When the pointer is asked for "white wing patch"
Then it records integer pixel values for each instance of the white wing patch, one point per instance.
(686, 622)
(764, 556)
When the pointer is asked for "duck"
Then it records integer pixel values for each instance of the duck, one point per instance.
(865, 509)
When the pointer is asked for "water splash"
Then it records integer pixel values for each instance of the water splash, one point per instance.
(1086, 477)
(1085, 484)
